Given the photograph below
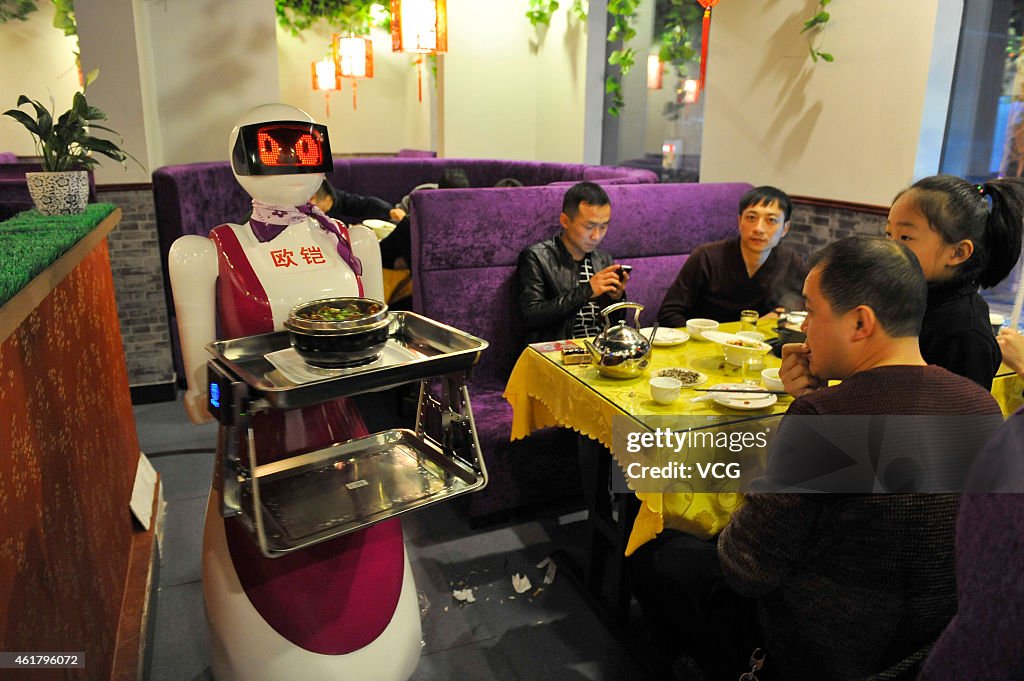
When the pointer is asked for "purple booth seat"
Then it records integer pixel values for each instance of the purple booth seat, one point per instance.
(193, 198)
(464, 266)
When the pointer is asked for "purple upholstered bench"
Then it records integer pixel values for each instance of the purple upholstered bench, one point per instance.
(465, 251)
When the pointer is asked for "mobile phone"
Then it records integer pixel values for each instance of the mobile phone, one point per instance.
(625, 268)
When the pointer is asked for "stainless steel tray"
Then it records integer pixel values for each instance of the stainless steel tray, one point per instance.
(361, 482)
(418, 348)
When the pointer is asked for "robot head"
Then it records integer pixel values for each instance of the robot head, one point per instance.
(279, 155)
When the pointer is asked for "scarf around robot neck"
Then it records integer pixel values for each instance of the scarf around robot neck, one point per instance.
(268, 220)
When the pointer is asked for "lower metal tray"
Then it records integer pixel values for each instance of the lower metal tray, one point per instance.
(362, 482)
(417, 348)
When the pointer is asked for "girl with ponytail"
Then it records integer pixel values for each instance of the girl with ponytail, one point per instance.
(965, 236)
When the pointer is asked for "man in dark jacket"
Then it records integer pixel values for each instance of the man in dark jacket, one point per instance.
(349, 207)
(564, 281)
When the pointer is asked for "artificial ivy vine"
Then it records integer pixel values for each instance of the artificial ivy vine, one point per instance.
(540, 11)
(815, 25)
(354, 17)
(64, 18)
(623, 15)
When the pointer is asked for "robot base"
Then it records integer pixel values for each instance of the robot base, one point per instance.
(243, 647)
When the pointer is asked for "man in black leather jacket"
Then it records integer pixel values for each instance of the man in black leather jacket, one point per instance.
(564, 281)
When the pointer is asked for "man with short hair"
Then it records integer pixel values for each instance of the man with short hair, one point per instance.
(858, 585)
(751, 271)
(565, 281)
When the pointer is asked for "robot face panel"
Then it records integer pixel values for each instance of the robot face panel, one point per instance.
(282, 148)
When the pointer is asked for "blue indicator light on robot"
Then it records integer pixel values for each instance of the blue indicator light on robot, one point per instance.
(215, 395)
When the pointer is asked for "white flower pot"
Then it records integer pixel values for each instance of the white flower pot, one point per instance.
(64, 193)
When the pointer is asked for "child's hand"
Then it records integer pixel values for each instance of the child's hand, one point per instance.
(796, 370)
(1011, 343)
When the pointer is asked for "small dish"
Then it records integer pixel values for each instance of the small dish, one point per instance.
(666, 336)
(743, 401)
(770, 379)
(697, 326)
(664, 390)
(688, 377)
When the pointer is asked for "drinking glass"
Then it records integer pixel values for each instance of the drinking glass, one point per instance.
(748, 320)
(752, 367)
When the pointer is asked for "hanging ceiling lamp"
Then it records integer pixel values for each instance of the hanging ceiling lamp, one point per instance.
(419, 26)
(326, 78)
(353, 58)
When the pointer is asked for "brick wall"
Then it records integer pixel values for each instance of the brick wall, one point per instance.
(135, 261)
(814, 226)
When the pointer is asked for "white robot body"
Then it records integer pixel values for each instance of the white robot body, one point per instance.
(299, 263)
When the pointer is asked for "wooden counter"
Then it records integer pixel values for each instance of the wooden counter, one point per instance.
(74, 569)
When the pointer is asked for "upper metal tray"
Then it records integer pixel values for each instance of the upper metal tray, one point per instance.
(417, 348)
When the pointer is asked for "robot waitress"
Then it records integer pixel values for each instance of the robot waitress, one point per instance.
(345, 608)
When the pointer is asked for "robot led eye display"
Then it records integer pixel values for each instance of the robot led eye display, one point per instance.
(278, 147)
(282, 147)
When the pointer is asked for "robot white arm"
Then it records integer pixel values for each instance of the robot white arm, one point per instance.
(367, 248)
(192, 265)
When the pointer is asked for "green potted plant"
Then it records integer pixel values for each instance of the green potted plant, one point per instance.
(67, 149)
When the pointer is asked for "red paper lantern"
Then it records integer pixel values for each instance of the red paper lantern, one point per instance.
(325, 77)
(419, 26)
(353, 58)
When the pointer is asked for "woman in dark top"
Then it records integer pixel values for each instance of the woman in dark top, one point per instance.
(965, 236)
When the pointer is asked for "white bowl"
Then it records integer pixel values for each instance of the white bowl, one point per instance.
(738, 348)
(698, 326)
(665, 390)
(770, 379)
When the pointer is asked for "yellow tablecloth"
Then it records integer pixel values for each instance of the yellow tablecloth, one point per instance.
(545, 393)
(1007, 388)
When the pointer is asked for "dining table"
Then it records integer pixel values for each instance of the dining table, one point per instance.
(543, 392)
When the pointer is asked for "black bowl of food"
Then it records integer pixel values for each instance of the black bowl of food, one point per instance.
(335, 333)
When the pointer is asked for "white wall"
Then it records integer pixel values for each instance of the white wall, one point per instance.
(846, 130)
(107, 41)
(213, 60)
(506, 93)
(387, 117)
(39, 61)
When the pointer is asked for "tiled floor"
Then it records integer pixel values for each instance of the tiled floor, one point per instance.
(549, 633)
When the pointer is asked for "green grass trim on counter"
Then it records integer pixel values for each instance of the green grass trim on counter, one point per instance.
(31, 242)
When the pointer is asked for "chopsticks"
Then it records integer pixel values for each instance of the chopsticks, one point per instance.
(730, 391)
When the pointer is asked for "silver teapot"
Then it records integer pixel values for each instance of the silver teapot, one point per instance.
(621, 351)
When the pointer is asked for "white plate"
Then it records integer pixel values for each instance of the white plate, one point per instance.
(698, 380)
(742, 401)
(666, 336)
(729, 340)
